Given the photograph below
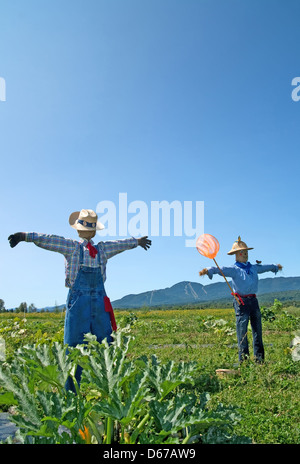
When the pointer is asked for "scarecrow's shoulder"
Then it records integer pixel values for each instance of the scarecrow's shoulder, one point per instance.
(71, 244)
(72, 241)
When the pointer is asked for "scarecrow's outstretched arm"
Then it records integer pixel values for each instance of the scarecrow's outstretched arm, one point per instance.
(48, 242)
(261, 268)
(112, 248)
(210, 271)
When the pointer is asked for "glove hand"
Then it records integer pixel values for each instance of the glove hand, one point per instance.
(144, 242)
(14, 239)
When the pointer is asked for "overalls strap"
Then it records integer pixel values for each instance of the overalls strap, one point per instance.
(81, 254)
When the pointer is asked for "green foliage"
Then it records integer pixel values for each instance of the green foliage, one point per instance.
(128, 394)
(282, 319)
(17, 331)
(138, 399)
(267, 314)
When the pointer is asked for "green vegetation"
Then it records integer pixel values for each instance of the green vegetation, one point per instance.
(157, 383)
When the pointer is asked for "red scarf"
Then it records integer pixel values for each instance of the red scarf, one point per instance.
(92, 250)
(109, 309)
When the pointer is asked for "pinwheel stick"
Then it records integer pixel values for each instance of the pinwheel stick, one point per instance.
(226, 281)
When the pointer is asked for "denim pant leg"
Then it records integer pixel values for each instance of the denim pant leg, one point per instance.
(242, 315)
(77, 319)
(100, 319)
(77, 323)
(255, 320)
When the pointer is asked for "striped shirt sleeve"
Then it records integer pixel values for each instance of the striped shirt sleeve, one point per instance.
(51, 242)
(112, 248)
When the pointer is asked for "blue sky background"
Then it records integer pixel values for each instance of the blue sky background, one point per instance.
(161, 99)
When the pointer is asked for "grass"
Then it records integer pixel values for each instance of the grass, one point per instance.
(267, 395)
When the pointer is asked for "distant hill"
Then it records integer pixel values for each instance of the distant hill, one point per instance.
(187, 292)
(190, 293)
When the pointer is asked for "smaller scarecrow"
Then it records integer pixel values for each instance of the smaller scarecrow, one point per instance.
(88, 308)
(244, 277)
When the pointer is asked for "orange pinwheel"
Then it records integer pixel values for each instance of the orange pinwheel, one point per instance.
(208, 246)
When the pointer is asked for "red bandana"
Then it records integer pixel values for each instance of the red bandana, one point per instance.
(109, 309)
(92, 250)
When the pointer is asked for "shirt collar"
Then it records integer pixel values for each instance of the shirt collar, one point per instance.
(242, 264)
(246, 266)
(85, 241)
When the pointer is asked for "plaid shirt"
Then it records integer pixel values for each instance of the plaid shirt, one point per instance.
(70, 249)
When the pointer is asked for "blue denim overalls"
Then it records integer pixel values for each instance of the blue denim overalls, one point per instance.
(85, 311)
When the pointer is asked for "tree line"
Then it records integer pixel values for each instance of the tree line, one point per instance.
(25, 308)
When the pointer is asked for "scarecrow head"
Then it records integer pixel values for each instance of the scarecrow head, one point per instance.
(240, 250)
(86, 223)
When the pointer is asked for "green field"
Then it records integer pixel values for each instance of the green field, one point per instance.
(267, 395)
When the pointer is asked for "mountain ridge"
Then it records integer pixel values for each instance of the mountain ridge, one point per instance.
(187, 292)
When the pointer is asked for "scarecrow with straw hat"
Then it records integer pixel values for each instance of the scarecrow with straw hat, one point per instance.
(88, 308)
(244, 277)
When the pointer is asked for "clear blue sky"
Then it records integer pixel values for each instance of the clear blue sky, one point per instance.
(161, 99)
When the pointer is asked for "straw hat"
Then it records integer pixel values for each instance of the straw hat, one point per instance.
(238, 246)
(86, 219)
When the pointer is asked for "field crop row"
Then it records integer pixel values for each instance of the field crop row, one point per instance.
(265, 397)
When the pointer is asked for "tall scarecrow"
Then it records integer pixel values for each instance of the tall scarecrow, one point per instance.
(88, 309)
(244, 277)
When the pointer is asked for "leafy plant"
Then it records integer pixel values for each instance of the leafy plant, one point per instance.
(118, 400)
(267, 314)
(18, 330)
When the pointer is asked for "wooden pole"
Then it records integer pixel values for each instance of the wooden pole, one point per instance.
(226, 281)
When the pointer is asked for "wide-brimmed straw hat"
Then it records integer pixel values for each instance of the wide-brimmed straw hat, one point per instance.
(86, 219)
(238, 246)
